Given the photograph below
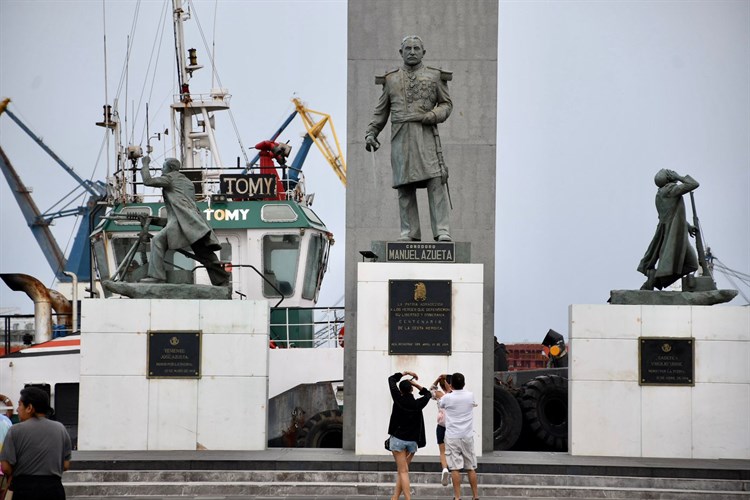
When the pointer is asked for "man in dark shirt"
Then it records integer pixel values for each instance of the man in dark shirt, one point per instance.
(36, 451)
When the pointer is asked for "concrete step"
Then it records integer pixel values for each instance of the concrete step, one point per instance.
(341, 484)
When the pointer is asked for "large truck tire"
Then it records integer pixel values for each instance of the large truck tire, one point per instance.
(544, 403)
(322, 430)
(507, 419)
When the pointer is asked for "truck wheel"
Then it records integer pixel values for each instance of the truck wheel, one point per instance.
(322, 430)
(507, 419)
(544, 404)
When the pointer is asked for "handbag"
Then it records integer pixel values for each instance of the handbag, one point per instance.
(388, 443)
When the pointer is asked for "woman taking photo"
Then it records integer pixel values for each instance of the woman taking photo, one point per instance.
(441, 387)
(406, 426)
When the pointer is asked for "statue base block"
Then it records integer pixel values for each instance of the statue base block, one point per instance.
(662, 298)
(168, 290)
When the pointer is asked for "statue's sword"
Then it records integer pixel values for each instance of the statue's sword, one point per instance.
(441, 162)
(374, 176)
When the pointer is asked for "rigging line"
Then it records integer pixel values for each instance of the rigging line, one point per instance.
(65, 250)
(131, 36)
(729, 278)
(213, 45)
(58, 202)
(106, 91)
(160, 35)
(725, 267)
(732, 275)
(176, 52)
(218, 79)
(34, 134)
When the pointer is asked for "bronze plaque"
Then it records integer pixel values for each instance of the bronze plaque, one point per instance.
(419, 317)
(174, 354)
(666, 361)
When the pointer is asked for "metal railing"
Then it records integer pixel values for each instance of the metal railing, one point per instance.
(324, 329)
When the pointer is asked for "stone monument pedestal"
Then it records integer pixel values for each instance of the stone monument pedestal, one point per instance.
(173, 375)
(630, 402)
(385, 302)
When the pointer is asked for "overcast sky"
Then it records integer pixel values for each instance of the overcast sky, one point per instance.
(593, 99)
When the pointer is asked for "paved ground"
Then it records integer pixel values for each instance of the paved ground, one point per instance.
(355, 497)
(291, 455)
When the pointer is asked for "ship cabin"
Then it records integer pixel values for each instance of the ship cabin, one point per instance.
(275, 250)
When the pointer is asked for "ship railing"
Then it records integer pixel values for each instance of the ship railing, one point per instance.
(207, 183)
(217, 97)
(18, 330)
(307, 327)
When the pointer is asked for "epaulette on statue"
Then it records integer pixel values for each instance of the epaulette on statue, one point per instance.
(380, 80)
(446, 76)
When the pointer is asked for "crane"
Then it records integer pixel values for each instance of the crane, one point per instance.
(79, 260)
(315, 134)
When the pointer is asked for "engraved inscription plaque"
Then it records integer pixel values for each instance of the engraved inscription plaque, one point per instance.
(666, 361)
(419, 317)
(174, 354)
(417, 251)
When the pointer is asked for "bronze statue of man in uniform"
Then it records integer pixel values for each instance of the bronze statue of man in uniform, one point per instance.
(186, 226)
(416, 97)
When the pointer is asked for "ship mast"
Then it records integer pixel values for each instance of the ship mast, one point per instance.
(189, 105)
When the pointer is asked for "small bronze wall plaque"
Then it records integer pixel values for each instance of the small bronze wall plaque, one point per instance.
(174, 354)
(666, 361)
(416, 251)
(419, 317)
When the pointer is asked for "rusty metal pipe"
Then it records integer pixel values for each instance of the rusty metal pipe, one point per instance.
(74, 300)
(39, 293)
(63, 308)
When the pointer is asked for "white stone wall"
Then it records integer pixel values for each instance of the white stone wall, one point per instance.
(287, 368)
(611, 415)
(121, 409)
(375, 365)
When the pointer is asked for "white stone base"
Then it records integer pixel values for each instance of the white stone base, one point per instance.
(375, 365)
(121, 409)
(612, 415)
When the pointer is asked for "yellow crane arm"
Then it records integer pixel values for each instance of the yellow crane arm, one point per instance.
(315, 130)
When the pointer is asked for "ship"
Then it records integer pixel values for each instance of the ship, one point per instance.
(274, 247)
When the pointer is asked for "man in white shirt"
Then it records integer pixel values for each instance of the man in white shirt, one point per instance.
(459, 434)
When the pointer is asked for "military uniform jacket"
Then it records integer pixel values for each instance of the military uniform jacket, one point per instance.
(185, 223)
(408, 95)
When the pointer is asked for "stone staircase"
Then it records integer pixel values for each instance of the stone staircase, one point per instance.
(83, 484)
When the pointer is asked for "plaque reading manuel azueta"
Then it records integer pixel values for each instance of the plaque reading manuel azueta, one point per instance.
(419, 317)
(666, 361)
(417, 251)
(174, 354)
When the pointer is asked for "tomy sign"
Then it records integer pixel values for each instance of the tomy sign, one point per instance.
(248, 186)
